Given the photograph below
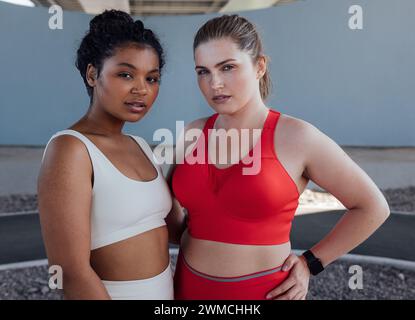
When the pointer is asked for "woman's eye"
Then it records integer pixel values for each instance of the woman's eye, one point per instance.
(201, 72)
(228, 67)
(153, 79)
(125, 75)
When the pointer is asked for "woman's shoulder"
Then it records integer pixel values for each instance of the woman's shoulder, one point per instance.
(294, 133)
(65, 166)
(65, 148)
(295, 128)
(66, 142)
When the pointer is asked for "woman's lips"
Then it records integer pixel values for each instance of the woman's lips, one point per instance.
(221, 98)
(136, 107)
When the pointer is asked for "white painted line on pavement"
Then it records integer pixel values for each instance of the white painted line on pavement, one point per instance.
(20, 213)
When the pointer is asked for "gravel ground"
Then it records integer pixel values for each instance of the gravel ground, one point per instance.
(379, 283)
(18, 202)
(402, 199)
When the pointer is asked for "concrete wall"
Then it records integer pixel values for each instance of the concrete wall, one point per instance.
(357, 86)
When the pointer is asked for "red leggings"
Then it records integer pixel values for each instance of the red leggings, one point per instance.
(190, 284)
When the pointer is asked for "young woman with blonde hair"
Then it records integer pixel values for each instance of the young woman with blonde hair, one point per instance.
(237, 241)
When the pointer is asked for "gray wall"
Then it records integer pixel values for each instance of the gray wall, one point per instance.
(356, 86)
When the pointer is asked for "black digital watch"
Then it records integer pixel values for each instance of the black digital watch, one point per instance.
(313, 263)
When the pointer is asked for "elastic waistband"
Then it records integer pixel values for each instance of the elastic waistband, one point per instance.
(230, 279)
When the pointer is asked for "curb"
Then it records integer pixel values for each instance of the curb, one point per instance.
(19, 213)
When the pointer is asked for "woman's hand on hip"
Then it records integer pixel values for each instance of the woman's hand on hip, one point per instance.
(295, 286)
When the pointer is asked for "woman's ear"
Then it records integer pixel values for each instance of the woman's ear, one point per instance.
(91, 75)
(261, 66)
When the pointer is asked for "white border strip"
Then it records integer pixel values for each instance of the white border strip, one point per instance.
(20, 213)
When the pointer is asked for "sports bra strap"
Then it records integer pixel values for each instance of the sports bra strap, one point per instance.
(147, 150)
(92, 149)
(267, 137)
(209, 124)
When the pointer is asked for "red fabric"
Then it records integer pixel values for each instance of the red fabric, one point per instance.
(225, 205)
(189, 286)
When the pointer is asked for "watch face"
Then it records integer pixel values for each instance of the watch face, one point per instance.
(316, 267)
(314, 264)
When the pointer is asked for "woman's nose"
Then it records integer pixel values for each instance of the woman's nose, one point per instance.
(139, 88)
(216, 82)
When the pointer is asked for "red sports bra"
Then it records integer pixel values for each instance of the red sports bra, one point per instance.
(227, 206)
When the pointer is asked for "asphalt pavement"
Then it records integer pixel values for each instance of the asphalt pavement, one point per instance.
(21, 238)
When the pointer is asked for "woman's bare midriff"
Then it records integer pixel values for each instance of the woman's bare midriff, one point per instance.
(230, 260)
(143, 256)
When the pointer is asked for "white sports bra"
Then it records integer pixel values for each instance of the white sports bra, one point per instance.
(122, 207)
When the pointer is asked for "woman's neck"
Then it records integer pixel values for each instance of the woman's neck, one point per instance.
(99, 122)
(251, 116)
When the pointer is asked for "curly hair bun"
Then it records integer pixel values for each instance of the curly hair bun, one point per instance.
(110, 19)
(140, 25)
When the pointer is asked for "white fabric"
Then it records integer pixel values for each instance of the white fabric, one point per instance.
(122, 207)
(159, 287)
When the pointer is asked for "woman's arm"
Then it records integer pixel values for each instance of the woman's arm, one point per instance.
(331, 168)
(65, 191)
(176, 222)
(176, 219)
